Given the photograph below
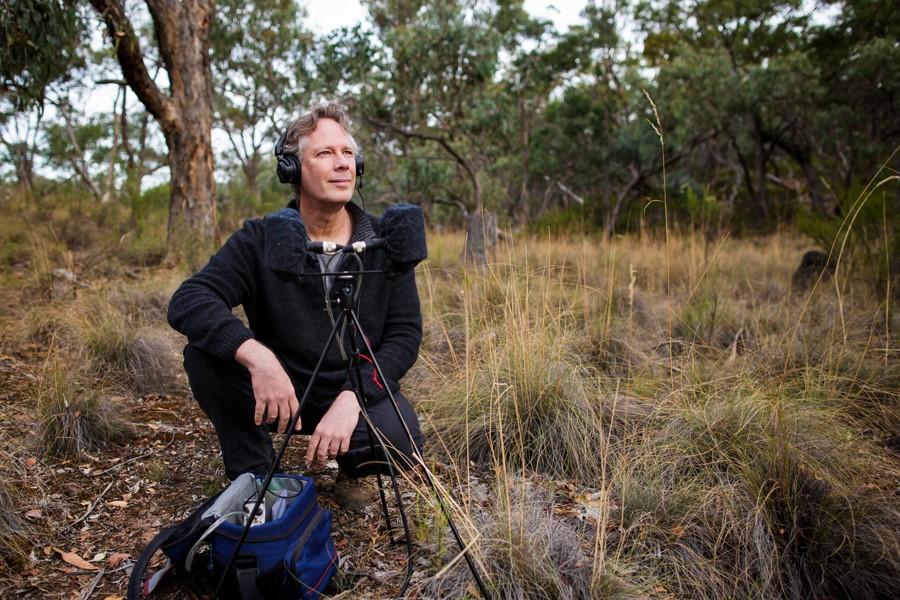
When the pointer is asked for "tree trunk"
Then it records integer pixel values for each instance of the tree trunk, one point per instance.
(24, 166)
(802, 155)
(185, 115)
(518, 207)
(759, 166)
(251, 175)
(610, 225)
(109, 188)
(481, 237)
(192, 207)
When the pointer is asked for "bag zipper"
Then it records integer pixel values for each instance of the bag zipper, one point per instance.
(273, 537)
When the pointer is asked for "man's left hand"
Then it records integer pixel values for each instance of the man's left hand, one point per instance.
(332, 434)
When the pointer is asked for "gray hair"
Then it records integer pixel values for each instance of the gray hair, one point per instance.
(299, 129)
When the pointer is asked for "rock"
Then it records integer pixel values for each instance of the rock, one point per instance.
(63, 285)
(812, 265)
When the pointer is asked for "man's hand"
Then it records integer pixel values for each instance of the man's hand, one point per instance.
(276, 399)
(332, 435)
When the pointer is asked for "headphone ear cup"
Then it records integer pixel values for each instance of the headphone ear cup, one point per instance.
(360, 165)
(287, 165)
(288, 169)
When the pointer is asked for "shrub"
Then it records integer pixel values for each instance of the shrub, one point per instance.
(152, 362)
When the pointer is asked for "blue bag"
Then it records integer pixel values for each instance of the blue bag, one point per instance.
(290, 555)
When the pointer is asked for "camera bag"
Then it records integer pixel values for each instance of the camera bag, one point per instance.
(290, 555)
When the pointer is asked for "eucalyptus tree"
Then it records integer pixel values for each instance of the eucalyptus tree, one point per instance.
(858, 57)
(593, 143)
(27, 68)
(260, 51)
(40, 41)
(429, 82)
(41, 37)
(183, 109)
(741, 66)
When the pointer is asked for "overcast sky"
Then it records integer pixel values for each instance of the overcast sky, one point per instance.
(325, 15)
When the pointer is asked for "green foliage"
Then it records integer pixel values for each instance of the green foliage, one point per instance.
(703, 209)
(146, 244)
(39, 40)
(577, 219)
(866, 237)
(261, 77)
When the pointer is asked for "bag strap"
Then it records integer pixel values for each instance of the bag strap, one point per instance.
(189, 561)
(246, 571)
(138, 587)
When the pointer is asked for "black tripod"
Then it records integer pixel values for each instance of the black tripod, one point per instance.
(345, 299)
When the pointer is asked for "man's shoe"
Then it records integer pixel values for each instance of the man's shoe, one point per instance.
(353, 494)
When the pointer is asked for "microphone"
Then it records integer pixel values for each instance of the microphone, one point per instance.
(326, 247)
(402, 237)
(403, 228)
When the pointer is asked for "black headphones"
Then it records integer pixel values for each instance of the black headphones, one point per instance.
(287, 165)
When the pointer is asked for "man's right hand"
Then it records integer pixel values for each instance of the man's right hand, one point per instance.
(276, 399)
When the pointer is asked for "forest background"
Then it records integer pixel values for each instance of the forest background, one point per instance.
(617, 214)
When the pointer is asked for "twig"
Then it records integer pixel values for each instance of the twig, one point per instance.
(125, 462)
(133, 459)
(86, 592)
(78, 573)
(89, 510)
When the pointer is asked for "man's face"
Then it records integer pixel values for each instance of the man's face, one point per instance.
(328, 167)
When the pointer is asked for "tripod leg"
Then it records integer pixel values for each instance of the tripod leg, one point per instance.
(418, 454)
(356, 376)
(384, 508)
(287, 438)
(373, 432)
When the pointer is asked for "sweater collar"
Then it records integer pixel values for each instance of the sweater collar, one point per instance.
(286, 237)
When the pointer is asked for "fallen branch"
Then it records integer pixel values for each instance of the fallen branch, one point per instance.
(125, 462)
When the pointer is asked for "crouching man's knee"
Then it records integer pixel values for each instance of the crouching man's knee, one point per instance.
(368, 457)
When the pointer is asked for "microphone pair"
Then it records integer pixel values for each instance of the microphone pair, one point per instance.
(402, 238)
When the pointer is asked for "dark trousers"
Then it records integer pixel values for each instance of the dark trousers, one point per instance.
(224, 392)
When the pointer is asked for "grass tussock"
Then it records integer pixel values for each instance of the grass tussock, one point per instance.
(122, 334)
(528, 552)
(524, 397)
(75, 414)
(15, 533)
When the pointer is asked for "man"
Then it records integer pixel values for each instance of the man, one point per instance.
(249, 380)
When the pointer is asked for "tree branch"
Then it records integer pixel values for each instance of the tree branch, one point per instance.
(434, 138)
(77, 158)
(131, 59)
(162, 11)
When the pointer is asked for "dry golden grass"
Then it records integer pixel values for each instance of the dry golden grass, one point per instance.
(76, 413)
(652, 416)
(738, 433)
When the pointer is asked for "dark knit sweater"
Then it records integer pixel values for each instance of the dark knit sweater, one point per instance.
(260, 267)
